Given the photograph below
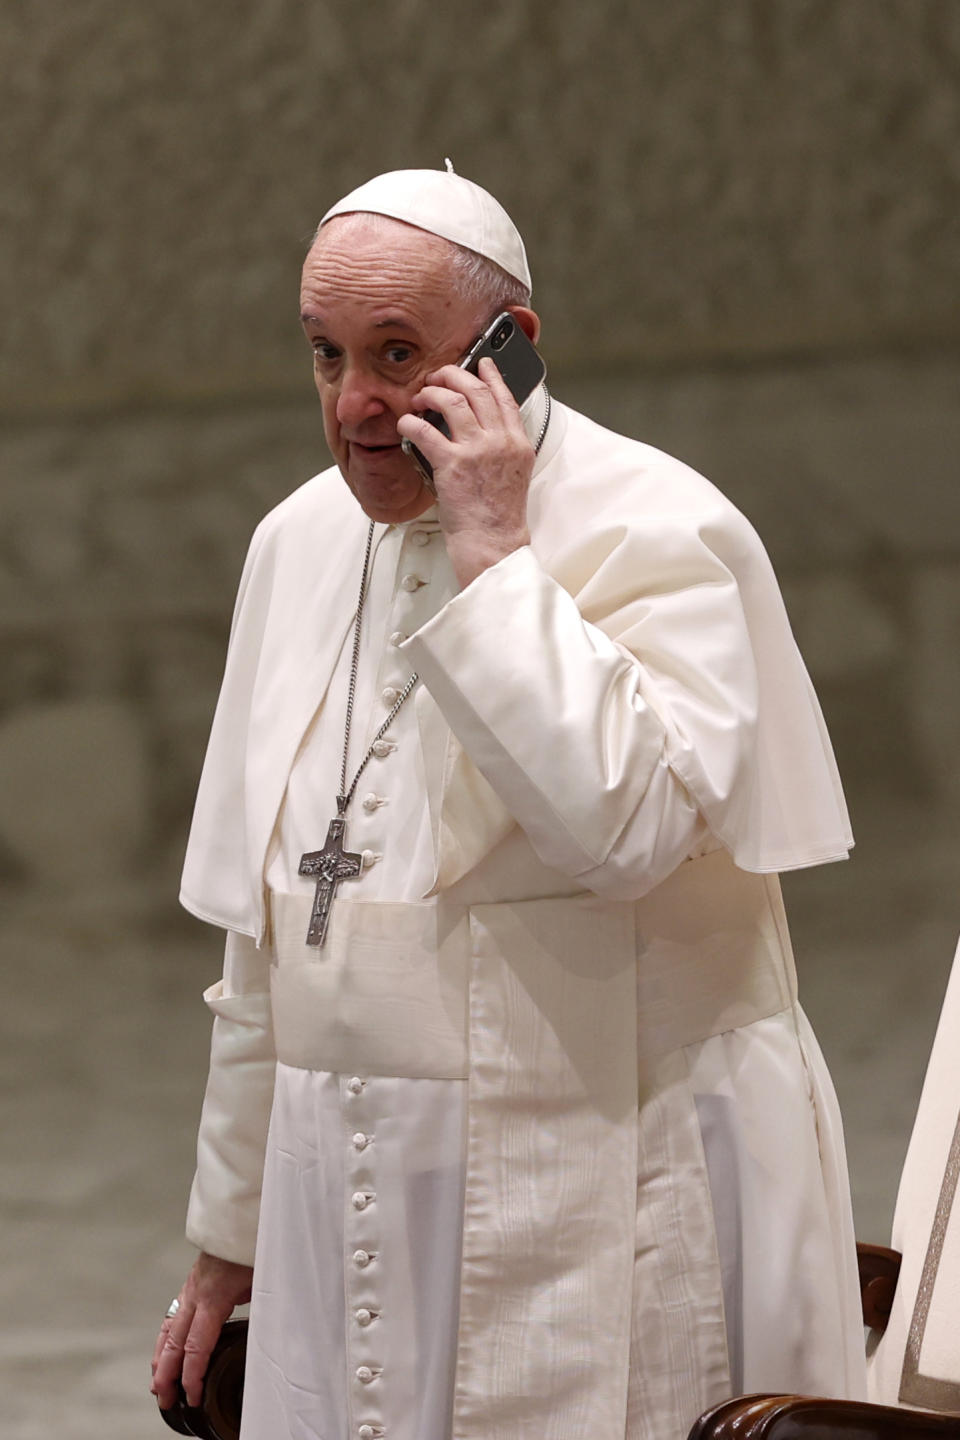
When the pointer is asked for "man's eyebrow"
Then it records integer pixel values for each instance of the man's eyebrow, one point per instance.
(390, 323)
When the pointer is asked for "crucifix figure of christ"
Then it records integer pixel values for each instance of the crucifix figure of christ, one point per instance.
(329, 865)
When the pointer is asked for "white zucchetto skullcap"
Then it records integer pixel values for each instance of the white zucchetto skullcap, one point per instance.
(447, 205)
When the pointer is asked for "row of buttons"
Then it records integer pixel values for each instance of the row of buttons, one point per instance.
(364, 1314)
(371, 802)
(389, 695)
(411, 583)
(361, 1141)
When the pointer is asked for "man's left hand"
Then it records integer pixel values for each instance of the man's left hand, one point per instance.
(186, 1340)
(482, 472)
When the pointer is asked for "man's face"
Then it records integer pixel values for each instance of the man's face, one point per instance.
(378, 308)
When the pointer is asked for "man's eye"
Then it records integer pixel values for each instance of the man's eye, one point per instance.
(398, 354)
(323, 351)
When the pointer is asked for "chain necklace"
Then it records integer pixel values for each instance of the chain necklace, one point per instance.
(546, 421)
(332, 864)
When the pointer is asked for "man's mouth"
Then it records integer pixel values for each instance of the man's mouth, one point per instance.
(374, 449)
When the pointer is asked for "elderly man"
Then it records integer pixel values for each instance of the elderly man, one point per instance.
(551, 1149)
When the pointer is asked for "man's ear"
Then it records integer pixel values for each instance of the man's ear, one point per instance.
(528, 320)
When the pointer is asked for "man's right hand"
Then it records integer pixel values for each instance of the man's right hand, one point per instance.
(211, 1291)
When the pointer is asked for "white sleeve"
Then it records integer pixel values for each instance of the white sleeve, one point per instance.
(552, 711)
(225, 1198)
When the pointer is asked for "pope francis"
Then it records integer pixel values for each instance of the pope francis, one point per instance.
(514, 1128)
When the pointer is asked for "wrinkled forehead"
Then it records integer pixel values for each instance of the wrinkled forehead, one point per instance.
(360, 254)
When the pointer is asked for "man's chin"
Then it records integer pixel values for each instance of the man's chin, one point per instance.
(386, 483)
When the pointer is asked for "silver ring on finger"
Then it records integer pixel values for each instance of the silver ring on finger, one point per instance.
(172, 1308)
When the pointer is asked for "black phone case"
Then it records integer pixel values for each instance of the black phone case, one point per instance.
(519, 363)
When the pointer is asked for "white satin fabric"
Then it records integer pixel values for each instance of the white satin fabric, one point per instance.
(340, 1290)
(715, 1252)
(643, 1165)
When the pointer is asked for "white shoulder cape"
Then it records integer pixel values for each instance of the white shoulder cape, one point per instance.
(654, 557)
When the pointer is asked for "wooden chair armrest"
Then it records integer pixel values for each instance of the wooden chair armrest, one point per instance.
(803, 1417)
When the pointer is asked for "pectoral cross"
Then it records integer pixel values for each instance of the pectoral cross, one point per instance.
(330, 865)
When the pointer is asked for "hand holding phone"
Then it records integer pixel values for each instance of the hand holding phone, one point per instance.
(505, 343)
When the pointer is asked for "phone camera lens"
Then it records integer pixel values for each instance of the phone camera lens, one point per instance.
(502, 335)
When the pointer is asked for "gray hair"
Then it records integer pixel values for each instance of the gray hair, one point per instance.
(476, 279)
(485, 282)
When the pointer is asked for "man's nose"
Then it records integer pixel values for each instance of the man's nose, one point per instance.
(358, 399)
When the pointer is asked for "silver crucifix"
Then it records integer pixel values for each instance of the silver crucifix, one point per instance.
(329, 865)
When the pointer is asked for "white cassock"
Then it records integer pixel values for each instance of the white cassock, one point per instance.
(916, 1362)
(552, 1151)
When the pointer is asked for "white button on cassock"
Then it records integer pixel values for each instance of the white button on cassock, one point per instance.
(364, 1317)
(412, 582)
(362, 1258)
(368, 858)
(366, 1432)
(370, 802)
(360, 1201)
(355, 1085)
(382, 748)
(364, 1374)
(388, 695)
(397, 638)
(420, 537)
(360, 1141)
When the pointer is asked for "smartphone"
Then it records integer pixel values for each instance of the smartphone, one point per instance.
(506, 344)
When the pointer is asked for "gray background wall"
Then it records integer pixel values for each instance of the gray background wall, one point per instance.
(743, 223)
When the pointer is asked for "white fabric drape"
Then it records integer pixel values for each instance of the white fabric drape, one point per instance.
(659, 564)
